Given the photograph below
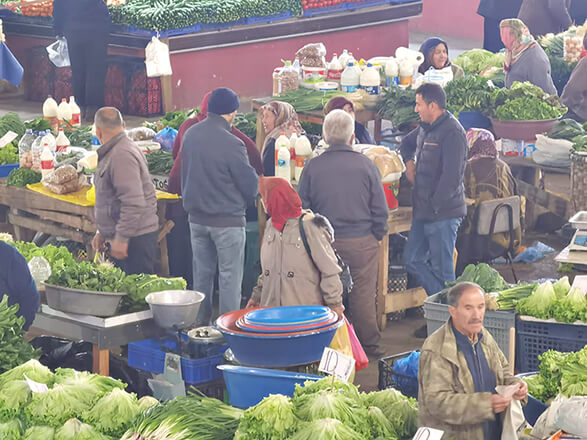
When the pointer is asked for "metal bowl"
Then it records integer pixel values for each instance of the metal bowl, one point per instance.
(82, 302)
(175, 309)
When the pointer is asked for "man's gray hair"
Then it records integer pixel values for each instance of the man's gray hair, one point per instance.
(455, 292)
(338, 127)
(108, 118)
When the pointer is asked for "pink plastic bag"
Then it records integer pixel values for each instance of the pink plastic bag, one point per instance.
(361, 359)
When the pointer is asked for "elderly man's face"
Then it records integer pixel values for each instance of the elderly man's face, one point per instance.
(468, 315)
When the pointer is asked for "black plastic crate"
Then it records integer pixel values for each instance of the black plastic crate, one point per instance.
(215, 389)
(388, 378)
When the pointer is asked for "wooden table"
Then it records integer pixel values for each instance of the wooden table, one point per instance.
(317, 117)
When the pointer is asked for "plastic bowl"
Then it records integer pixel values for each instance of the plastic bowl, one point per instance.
(273, 349)
(242, 324)
(281, 316)
(521, 130)
(247, 386)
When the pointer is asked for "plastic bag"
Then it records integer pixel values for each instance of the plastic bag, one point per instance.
(534, 253)
(572, 415)
(408, 366)
(157, 58)
(58, 53)
(361, 359)
(514, 422)
(342, 343)
(165, 138)
(141, 134)
(435, 76)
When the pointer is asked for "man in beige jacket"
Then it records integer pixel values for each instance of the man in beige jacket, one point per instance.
(460, 366)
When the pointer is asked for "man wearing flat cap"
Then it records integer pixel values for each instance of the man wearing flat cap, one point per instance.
(217, 184)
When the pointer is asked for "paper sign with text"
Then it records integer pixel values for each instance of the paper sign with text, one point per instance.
(336, 364)
(424, 433)
(8, 137)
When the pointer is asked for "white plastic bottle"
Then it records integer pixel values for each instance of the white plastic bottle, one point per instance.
(76, 113)
(334, 69)
(36, 150)
(303, 154)
(62, 141)
(95, 141)
(47, 161)
(25, 155)
(50, 113)
(282, 166)
(292, 155)
(343, 59)
(50, 140)
(350, 79)
(64, 113)
(370, 80)
(391, 72)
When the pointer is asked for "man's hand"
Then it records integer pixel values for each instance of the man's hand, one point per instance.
(339, 310)
(119, 249)
(499, 403)
(98, 243)
(252, 303)
(522, 391)
(411, 171)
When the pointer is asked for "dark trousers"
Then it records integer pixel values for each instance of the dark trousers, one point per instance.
(179, 250)
(87, 54)
(491, 35)
(362, 256)
(142, 255)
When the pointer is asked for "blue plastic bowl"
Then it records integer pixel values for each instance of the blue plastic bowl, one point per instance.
(534, 408)
(247, 386)
(281, 316)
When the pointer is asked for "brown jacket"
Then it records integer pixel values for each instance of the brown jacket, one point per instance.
(545, 16)
(289, 277)
(446, 398)
(126, 205)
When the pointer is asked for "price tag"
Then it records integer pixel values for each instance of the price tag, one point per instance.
(428, 434)
(7, 138)
(580, 281)
(336, 364)
(35, 386)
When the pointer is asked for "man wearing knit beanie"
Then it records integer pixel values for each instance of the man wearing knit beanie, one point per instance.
(217, 184)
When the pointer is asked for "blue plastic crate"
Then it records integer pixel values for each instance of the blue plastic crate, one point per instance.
(535, 337)
(219, 26)
(165, 34)
(313, 12)
(269, 18)
(6, 169)
(147, 356)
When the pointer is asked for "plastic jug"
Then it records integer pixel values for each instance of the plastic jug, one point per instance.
(25, 154)
(334, 70)
(303, 154)
(391, 72)
(292, 155)
(350, 79)
(36, 150)
(343, 59)
(50, 140)
(50, 113)
(370, 80)
(47, 161)
(62, 141)
(282, 165)
(64, 113)
(76, 113)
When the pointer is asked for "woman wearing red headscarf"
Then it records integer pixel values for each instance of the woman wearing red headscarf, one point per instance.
(289, 276)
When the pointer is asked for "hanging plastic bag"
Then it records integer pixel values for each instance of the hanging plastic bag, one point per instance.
(58, 53)
(361, 359)
(165, 138)
(157, 58)
(342, 343)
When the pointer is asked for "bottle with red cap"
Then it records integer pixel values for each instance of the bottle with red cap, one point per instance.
(47, 163)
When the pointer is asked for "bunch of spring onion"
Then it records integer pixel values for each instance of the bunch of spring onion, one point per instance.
(507, 299)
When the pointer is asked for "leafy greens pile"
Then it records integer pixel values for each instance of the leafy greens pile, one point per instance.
(137, 287)
(8, 154)
(247, 123)
(89, 276)
(475, 61)
(13, 348)
(58, 257)
(484, 275)
(397, 105)
(525, 102)
(469, 94)
(22, 177)
(160, 162)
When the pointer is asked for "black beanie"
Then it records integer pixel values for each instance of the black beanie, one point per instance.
(223, 101)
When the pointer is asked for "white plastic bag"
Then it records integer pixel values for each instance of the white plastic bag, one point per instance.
(435, 76)
(572, 415)
(157, 58)
(58, 53)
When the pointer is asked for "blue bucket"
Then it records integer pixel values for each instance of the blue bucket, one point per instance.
(474, 120)
(247, 386)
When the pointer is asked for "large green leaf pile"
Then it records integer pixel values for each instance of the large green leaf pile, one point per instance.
(58, 257)
(470, 94)
(13, 348)
(475, 61)
(484, 275)
(524, 101)
(397, 105)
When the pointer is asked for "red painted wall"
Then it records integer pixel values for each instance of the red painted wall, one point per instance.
(248, 69)
(455, 18)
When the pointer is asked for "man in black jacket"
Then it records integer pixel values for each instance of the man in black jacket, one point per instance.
(345, 187)
(217, 186)
(493, 11)
(435, 155)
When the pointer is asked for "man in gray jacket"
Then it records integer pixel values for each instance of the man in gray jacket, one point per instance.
(126, 205)
(217, 185)
(435, 155)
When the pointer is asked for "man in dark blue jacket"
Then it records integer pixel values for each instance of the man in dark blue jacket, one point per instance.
(17, 283)
(435, 155)
(345, 187)
(493, 11)
(218, 184)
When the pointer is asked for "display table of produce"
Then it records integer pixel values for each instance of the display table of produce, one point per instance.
(103, 333)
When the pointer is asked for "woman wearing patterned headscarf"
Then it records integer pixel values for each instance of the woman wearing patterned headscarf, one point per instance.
(486, 178)
(525, 60)
(275, 118)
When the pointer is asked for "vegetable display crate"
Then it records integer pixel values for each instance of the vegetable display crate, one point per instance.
(388, 378)
(147, 356)
(269, 18)
(497, 322)
(314, 12)
(536, 336)
(165, 34)
(6, 169)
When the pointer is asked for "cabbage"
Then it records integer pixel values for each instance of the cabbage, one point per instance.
(14, 396)
(39, 433)
(381, 427)
(33, 369)
(272, 419)
(476, 60)
(73, 429)
(540, 303)
(572, 307)
(401, 411)
(147, 402)
(113, 413)
(56, 406)
(562, 287)
(11, 430)
(100, 384)
(327, 429)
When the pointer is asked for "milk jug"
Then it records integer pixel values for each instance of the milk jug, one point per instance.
(406, 72)
(292, 155)
(350, 79)
(50, 140)
(64, 112)
(47, 164)
(334, 70)
(76, 113)
(62, 141)
(391, 72)
(50, 113)
(282, 167)
(370, 80)
(303, 154)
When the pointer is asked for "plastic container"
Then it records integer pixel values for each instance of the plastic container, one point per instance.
(47, 161)
(327, 86)
(344, 59)
(334, 69)
(95, 141)
(391, 72)
(6, 169)
(350, 79)
(535, 336)
(64, 113)
(303, 154)
(282, 157)
(247, 386)
(148, 356)
(370, 80)
(313, 75)
(76, 113)
(62, 141)
(497, 322)
(25, 154)
(292, 156)
(521, 130)
(388, 378)
(391, 190)
(50, 113)
(50, 140)
(40, 270)
(36, 150)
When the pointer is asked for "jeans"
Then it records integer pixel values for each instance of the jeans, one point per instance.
(225, 246)
(429, 252)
